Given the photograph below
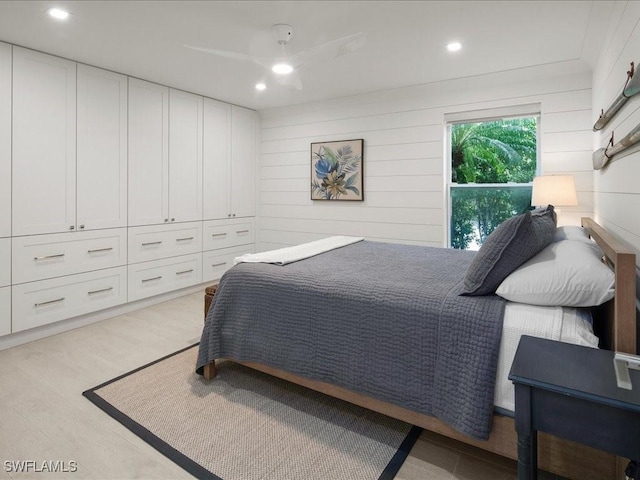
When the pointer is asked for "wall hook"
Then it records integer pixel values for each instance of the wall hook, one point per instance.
(631, 88)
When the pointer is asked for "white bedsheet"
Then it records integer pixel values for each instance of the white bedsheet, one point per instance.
(282, 256)
(555, 323)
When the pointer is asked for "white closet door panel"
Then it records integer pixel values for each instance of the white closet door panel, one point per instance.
(102, 149)
(185, 156)
(148, 198)
(217, 160)
(153, 242)
(216, 262)
(5, 311)
(38, 257)
(161, 276)
(243, 162)
(5, 262)
(227, 233)
(44, 143)
(5, 141)
(47, 301)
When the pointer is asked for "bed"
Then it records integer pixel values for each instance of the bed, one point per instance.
(338, 366)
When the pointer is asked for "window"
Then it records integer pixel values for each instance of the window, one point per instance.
(492, 163)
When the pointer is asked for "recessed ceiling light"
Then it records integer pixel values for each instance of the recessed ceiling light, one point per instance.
(282, 68)
(454, 46)
(260, 86)
(58, 13)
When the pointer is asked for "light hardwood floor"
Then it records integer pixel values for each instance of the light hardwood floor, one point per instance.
(43, 415)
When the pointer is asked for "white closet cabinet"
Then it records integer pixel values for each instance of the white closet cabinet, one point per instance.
(185, 156)
(217, 160)
(148, 153)
(229, 161)
(243, 162)
(44, 143)
(102, 149)
(5, 141)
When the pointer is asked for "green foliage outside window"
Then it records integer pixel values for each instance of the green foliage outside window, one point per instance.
(496, 152)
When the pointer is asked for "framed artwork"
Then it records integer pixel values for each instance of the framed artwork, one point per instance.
(336, 170)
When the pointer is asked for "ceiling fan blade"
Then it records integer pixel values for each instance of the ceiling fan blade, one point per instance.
(263, 62)
(291, 80)
(329, 50)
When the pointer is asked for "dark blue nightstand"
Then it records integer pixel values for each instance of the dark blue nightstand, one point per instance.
(571, 392)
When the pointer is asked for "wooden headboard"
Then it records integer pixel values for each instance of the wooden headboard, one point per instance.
(620, 331)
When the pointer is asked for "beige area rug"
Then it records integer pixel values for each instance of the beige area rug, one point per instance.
(248, 425)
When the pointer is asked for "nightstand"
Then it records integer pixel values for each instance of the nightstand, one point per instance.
(570, 391)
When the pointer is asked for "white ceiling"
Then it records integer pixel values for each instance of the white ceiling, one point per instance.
(405, 41)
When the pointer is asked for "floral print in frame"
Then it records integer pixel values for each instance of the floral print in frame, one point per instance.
(336, 170)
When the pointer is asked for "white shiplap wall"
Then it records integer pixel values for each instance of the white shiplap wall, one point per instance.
(617, 186)
(403, 131)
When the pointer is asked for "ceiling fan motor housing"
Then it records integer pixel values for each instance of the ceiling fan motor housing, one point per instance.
(283, 32)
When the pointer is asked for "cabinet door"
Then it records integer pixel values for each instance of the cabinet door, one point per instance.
(47, 301)
(243, 162)
(185, 156)
(217, 160)
(102, 149)
(44, 143)
(5, 140)
(148, 153)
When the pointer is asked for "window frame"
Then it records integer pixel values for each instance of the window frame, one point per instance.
(481, 116)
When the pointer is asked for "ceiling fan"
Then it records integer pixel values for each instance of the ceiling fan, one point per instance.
(285, 67)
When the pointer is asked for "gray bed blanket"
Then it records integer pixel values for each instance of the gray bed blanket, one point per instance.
(380, 319)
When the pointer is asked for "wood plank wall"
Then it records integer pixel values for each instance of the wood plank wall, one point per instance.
(404, 131)
(617, 186)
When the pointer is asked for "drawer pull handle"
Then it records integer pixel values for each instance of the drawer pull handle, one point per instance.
(108, 289)
(97, 250)
(60, 255)
(146, 244)
(57, 300)
(183, 239)
(184, 271)
(242, 231)
(218, 234)
(219, 264)
(151, 279)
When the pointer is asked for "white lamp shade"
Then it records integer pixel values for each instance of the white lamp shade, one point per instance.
(557, 190)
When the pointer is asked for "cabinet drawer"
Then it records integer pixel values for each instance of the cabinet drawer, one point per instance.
(162, 241)
(228, 233)
(5, 262)
(5, 311)
(216, 262)
(161, 276)
(47, 301)
(47, 256)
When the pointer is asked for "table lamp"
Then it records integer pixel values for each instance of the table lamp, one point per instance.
(556, 190)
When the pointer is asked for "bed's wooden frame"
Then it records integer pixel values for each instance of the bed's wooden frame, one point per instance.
(556, 455)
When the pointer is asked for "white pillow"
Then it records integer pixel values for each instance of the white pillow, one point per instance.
(568, 273)
(571, 232)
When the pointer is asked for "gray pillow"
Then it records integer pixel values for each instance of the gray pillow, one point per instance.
(511, 244)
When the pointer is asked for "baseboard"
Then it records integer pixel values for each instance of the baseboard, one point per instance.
(20, 338)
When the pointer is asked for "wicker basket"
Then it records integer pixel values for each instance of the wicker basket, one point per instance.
(209, 292)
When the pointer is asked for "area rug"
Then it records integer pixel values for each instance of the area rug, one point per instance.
(248, 425)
